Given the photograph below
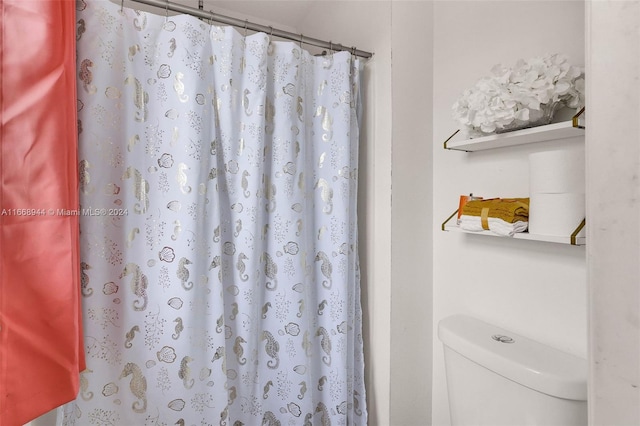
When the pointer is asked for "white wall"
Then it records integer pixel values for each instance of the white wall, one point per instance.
(613, 188)
(412, 213)
(532, 288)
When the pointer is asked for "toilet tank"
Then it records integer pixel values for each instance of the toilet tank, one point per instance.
(498, 378)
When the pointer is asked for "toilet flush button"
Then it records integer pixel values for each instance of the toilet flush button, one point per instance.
(502, 339)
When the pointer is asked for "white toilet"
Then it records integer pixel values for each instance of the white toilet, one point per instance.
(497, 378)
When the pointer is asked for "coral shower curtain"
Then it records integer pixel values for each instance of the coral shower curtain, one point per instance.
(218, 178)
(40, 338)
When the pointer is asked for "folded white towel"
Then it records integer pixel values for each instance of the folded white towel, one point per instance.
(497, 226)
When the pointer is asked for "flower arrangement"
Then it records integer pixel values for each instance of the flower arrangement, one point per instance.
(526, 95)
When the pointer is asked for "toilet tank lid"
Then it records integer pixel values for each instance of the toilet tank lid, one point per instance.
(525, 361)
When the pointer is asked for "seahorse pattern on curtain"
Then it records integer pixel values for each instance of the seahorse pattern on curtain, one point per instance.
(218, 178)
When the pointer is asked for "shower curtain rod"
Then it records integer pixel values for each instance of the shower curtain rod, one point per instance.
(176, 7)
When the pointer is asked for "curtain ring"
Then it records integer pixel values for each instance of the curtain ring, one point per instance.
(210, 18)
(166, 10)
(121, 6)
(246, 23)
(330, 47)
(301, 37)
(270, 31)
(353, 50)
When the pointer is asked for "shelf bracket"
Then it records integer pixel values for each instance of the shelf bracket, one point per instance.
(448, 219)
(576, 119)
(449, 138)
(574, 234)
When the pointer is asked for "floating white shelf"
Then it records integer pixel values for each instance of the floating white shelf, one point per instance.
(562, 130)
(579, 240)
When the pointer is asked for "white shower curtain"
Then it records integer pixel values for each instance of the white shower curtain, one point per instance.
(218, 178)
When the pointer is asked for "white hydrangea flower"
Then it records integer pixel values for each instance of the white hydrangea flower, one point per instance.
(526, 95)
